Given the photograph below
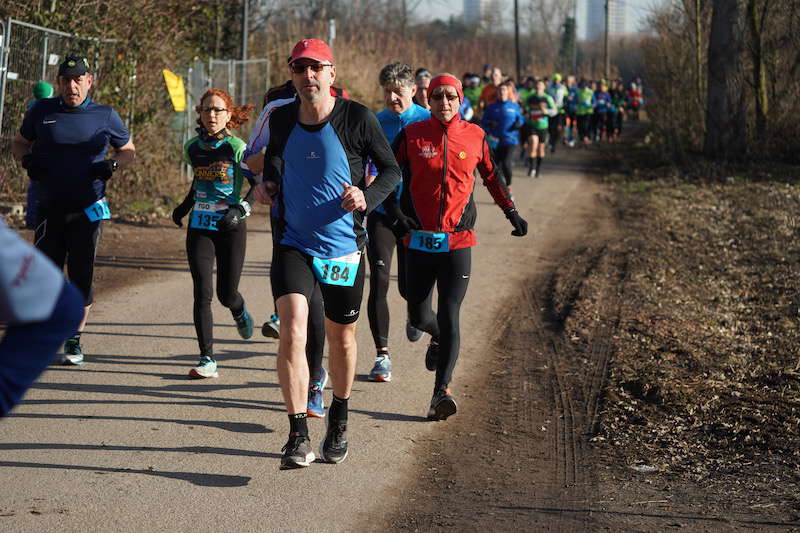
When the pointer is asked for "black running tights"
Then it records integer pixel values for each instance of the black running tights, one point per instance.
(380, 248)
(450, 272)
(504, 154)
(202, 248)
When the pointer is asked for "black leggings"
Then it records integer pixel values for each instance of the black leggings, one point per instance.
(583, 126)
(450, 272)
(380, 248)
(70, 239)
(504, 155)
(202, 248)
(315, 340)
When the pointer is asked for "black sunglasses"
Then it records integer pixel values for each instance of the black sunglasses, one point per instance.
(440, 96)
(316, 67)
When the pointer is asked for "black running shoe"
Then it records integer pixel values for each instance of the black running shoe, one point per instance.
(432, 356)
(297, 453)
(334, 448)
(443, 405)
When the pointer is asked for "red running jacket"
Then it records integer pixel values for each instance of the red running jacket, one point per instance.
(438, 162)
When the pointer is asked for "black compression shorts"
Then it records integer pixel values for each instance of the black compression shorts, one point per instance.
(291, 272)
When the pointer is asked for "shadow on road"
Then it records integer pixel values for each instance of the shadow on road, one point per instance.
(202, 480)
(234, 427)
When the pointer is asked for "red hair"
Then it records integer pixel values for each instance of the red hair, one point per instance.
(239, 115)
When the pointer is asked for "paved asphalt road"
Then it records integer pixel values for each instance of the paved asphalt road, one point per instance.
(128, 443)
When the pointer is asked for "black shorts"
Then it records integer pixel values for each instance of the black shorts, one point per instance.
(543, 135)
(291, 272)
(70, 239)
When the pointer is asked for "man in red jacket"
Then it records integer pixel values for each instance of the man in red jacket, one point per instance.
(439, 157)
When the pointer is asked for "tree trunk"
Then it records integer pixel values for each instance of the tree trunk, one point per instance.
(726, 134)
(756, 25)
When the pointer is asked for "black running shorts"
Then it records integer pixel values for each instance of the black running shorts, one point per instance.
(291, 273)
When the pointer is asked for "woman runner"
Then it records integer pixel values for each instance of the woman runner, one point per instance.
(217, 228)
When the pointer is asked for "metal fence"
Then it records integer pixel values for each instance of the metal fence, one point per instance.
(30, 53)
(245, 80)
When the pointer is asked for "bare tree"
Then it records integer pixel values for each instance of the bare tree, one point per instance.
(725, 134)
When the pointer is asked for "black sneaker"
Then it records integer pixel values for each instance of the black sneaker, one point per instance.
(432, 356)
(297, 453)
(334, 448)
(443, 405)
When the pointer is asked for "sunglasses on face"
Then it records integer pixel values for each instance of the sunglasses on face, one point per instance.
(442, 96)
(215, 110)
(316, 67)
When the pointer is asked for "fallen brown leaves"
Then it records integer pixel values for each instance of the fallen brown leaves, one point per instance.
(705, 379)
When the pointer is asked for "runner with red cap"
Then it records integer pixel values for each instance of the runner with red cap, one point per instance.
(315, 159)
(437, 211)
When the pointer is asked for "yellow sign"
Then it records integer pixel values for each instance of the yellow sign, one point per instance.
(175, 89)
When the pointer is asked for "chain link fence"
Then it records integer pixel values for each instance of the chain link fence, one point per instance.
(245, 80)
(30, 53)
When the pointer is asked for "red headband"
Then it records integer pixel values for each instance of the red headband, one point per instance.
(444, 79)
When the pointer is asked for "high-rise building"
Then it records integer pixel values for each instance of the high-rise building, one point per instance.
(472, 11)
(596, 18)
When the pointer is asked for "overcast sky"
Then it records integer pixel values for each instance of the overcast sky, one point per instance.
(442, 9)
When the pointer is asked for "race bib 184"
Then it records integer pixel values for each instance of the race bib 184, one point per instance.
(426, 241)
(337, 271)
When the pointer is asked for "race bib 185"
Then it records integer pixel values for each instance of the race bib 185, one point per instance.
(426, 241)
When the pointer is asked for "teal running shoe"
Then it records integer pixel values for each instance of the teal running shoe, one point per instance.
(206, 368)
(272, 327)
(413, 334)
(316, 403)
(73, 353)
(244, 324)
(382, 371)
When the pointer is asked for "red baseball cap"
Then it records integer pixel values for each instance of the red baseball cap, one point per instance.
(311, 49)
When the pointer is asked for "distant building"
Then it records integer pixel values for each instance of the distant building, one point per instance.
(596, 18)
(472, 11)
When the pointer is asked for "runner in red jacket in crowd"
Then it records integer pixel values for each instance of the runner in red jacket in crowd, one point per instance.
(437, 211)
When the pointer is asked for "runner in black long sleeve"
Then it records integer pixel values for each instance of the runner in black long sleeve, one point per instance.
(316, 156)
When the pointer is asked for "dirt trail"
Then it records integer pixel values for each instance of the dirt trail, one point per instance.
(519, 458)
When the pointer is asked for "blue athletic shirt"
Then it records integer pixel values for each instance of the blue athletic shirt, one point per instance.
(503, 120)
(311, 163)
(392, 123)
(66, 141)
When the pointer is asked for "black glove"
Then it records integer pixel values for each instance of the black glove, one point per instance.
(402, 225)
(181, 211)
(520, 226)
(102, 170)
(233, 216)
(33, 166)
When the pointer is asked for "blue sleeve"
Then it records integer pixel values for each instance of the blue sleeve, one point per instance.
(117, 131)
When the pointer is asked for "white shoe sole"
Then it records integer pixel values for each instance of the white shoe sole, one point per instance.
(195, 374)
(310, 458)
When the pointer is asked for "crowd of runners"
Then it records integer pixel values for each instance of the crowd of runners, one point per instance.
(345, 188)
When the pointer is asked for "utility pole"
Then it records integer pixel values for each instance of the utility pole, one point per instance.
(245, 28)
(575, 38)
(516, 41)
(607, 65)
